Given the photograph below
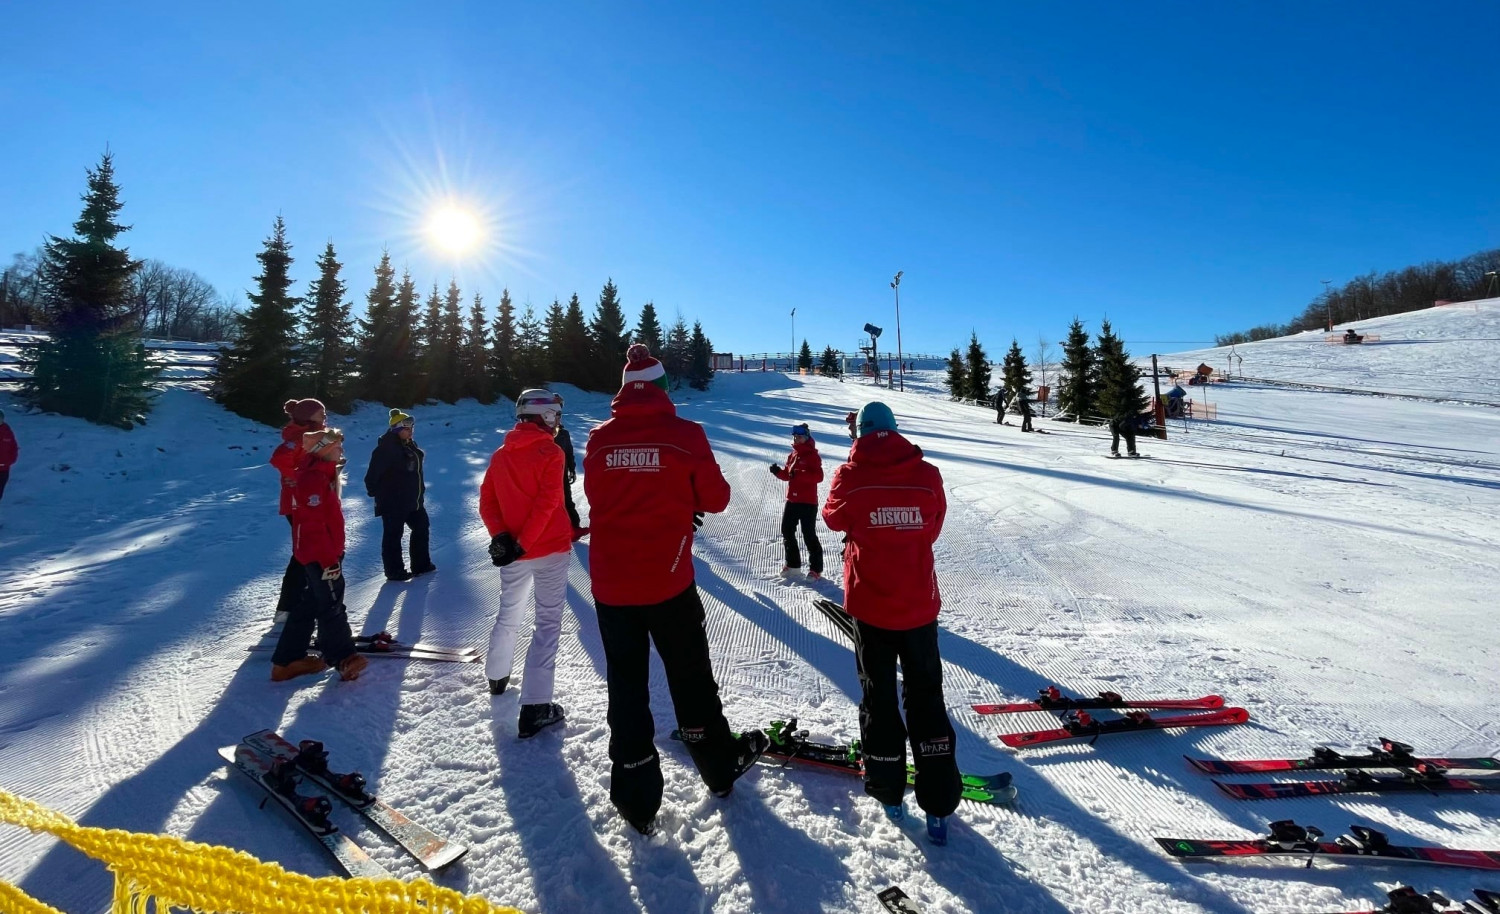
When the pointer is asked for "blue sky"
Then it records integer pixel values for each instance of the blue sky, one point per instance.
(1181, 168)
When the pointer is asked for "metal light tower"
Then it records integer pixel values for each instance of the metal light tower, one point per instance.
(896, 285)
(794, 339)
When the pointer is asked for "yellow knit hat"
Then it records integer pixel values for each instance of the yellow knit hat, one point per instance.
(400, 418)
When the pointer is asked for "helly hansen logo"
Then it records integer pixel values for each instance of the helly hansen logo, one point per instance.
(897, 518)
(632, 458)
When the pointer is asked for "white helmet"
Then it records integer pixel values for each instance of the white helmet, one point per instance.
(540, 402)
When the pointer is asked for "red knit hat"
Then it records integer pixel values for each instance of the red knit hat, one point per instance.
(641, 366)
(302, 411)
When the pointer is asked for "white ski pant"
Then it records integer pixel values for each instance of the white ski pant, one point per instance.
(548, 578)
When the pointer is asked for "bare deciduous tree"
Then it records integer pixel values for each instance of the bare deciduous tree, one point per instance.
(171, 301)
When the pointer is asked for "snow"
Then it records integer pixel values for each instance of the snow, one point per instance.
(1325, 560)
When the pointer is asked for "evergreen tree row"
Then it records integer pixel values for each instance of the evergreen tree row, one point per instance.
(407, 350)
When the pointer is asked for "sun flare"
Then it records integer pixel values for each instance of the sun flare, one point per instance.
(454, 229)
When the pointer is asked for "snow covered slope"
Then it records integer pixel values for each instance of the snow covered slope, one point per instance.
(1327, 561)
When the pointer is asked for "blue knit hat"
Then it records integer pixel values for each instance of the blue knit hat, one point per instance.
(875, 417)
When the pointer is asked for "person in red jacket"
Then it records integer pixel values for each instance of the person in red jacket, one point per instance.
(802, 472)
(521, 503)
(318, 546)
(889, 503)
(303, 416)
(9, 451)
(649, 477)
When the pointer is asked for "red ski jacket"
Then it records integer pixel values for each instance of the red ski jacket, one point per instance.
(9, 451)
(645, 472)
(803, 472)
(522, 492)
(284, 459)
(317, 514)
(890, 504)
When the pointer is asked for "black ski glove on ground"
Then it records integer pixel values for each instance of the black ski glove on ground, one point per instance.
(504, 549)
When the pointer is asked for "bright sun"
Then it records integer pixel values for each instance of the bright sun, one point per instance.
(454, 229)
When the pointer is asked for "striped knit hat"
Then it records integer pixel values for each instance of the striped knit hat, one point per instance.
(641, 366)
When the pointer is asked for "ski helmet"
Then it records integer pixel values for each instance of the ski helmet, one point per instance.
(540, 402)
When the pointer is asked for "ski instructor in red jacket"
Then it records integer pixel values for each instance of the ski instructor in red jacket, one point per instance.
(890, 504)
(802, 473)
(649, 477)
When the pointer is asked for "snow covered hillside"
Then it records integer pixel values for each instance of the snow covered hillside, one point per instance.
(1327, 561)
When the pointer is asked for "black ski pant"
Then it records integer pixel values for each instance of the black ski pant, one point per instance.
(796, 514)
(1025, 421)
(293, 584)
(390, 541)
(1117, 429)
(322, 609)
(676, 627)
(883, 733)
(568, 502)
(4, 478)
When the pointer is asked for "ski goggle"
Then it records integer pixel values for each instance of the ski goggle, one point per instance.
(801, 431)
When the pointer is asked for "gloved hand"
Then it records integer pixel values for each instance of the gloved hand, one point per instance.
(776, 470)
(332, 572)
(504, 549)
(571, 476)
(697, 520)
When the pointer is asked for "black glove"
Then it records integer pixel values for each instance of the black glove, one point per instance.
(697, 519)
(504, 549)
(571, 476)
(776, 470)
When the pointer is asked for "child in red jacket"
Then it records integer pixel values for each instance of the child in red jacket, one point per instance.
(802, 472)
(8, 452)
(302, 416)
(318, 546)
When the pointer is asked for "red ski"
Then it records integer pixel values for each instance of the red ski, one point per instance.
(1052, 699)
(1082, 725)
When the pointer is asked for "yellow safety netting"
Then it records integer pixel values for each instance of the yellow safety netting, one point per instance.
(209, 879)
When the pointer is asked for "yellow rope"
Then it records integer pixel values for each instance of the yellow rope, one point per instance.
(218, 880)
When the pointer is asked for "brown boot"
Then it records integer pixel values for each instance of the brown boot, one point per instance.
(351, 666)
(302, 666)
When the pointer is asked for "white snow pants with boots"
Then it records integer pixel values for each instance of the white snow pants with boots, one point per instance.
(548, 577)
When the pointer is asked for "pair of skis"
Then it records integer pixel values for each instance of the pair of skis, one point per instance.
(383, 645)
(1407, 900)
(1417, 774)
(282, 768)
(1361, 845)
(791, 746)
(1080, 724)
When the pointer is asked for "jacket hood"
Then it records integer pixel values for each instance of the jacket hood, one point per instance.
(641, 398)
(883, 449)
(525, 434)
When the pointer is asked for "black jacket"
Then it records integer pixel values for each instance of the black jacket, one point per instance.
(394, 479)
(565, 441)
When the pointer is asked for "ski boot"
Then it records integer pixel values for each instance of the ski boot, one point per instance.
(895, 813)
(647, 828)
(937, 830)
(751, 745)
(497, 686)
(536, 717)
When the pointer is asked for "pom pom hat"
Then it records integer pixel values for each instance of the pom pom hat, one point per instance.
(875, 417)
(641, 366)
(302, 411)
(401, 419)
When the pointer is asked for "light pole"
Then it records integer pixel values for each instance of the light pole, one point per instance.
(1327, 304)
(793, 360)
(1494, 277)
(896, 284)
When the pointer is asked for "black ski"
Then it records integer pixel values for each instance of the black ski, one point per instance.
(281, 780)
(311, 760)
(837, 615)
(1422, 779)
(1362, 844)
(1389, 754)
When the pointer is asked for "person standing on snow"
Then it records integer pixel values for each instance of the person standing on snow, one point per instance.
(802, 473)
(9, 451)
(570, 473)
(1002, 402)
(318, 545)
(1025, 405)
(1122, 425)
(303, 416)
(521, 502)
(649, 477)
(890, 504)
(395, 481)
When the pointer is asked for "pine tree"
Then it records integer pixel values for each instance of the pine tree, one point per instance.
(577, 348)
(402, 375)
(805, 357)
(828, 366)
(607, 330)
(700, 359)
(502, 363)
(1016, 374)
(326, 331)
(978, 370)
(648, 331)
(377, 334)
(531, 351)
(957, 381)
(91, 366)
(1120, 394)
(476, 352)
(429, 347)
(675, 353)
(1078, 389)
(558, 365)
(256, 375)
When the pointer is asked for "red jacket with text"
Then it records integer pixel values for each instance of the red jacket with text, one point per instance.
(317, 514)
(284, 459)
(522, 492)
(8, 449)
(645, 472)
(803, 472)
(890, 504)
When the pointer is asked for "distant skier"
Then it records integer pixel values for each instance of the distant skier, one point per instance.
(318, 544)
(1351, 337)
(890, 503)
(649, 477)
(521, 502)
(9, 451)
(396, 482)
(1002, 402)
(802, 473)
(1122, 425)
(570, 474)
(1025, 405)
(303, 416)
